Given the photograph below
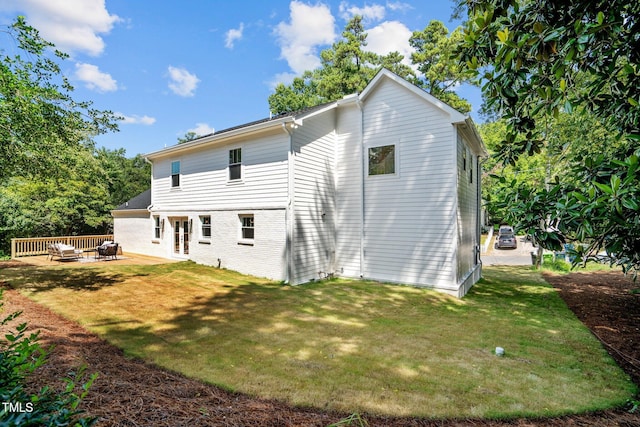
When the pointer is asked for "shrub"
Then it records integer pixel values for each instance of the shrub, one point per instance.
(21, 355)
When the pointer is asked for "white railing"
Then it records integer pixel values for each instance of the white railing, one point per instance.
(26, 246)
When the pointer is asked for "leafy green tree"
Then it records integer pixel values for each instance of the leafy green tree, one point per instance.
(347, 67)
(545, 57)
(537, 59)
(39, 119)
(189, 136)
(300, 94)
(124, 177)
(440, 69)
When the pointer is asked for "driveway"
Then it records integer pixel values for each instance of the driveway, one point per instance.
(519, 256)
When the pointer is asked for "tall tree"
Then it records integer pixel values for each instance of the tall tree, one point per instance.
(347, 67)
(39, 119)
(439, 67)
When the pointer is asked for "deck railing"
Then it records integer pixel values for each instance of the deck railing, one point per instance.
(26, 246)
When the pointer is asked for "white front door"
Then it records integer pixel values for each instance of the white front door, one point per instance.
(180, 237)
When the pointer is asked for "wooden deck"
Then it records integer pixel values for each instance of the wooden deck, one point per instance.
(88, 260)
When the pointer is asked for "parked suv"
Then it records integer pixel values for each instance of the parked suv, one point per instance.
(506, 238)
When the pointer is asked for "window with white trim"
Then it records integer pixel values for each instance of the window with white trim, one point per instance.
(156, 227)
(175, 174)
(382, 160)
(235, 164)
(205, 226)
(247, 227)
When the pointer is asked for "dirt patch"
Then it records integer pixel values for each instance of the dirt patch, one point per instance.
(130, 392)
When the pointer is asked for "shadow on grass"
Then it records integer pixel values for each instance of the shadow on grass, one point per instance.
(45, 279)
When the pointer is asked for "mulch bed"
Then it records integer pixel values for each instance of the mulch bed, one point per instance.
(130, 392)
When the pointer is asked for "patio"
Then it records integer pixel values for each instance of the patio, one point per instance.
(88, 260)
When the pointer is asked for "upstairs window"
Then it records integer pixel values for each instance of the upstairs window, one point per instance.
(382, 160)
(235, 164)
(175, 174)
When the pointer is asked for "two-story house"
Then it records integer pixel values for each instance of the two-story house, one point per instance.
(383, 185)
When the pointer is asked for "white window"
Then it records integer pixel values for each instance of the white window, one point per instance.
(156, 227)
(247, 227)
(205, 226)
(235, 164)
(382, 160)
(175, 174)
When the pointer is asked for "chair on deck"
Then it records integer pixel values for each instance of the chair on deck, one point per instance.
(63, 251)
(108, 250)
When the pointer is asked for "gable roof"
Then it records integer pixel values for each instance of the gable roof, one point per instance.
(139, 202)
(456, 116)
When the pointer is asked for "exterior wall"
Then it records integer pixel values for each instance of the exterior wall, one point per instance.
(348, 191)
(409, 219)
(313, 242)
(134, 232)
(264, 257)
(467, 218)
(204, 182)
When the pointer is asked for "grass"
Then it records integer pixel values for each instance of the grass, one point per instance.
(352, 346)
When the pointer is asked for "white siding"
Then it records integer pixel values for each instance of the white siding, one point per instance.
(467, 210)
(409, 218)
(204, 180)
(314, 198)
(349, 191)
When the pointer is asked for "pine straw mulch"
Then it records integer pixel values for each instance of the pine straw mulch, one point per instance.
(130, 392)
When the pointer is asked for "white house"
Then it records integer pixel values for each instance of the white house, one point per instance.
(382, 185)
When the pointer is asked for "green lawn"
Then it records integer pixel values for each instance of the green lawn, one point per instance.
(353, 346)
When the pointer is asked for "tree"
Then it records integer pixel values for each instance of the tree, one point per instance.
(537, 59)
(124, 177)
(52, 179)
(545, 57)
(189, 136)
(439, 67)
(347, 67)
(39, 120)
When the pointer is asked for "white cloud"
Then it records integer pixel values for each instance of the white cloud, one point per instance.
(390, 36)
(371, 13)
(232, 35)
(72, 25)
(183, 83)
(136, 120)
(202, 129)
(309, 28)
(95, 79)
(399, 6)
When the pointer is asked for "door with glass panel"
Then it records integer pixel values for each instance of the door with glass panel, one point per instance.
(181, 237)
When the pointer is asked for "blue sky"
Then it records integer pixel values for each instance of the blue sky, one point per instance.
(172, 67)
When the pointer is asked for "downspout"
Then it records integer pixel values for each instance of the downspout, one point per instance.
(479, 212)
(146, 159)
(290, 212)
(362, 186)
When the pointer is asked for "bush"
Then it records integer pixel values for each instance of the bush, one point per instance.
(20, 356)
